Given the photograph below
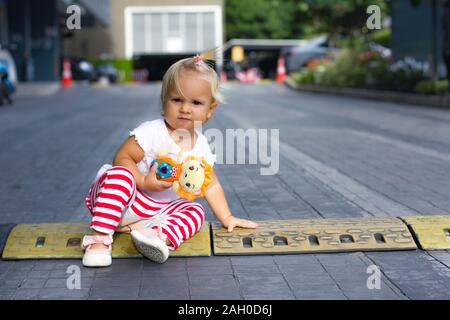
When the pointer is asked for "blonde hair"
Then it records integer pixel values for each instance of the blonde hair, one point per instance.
(170, 79)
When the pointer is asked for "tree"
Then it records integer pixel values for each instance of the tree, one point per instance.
(258, 19)
(296, 18)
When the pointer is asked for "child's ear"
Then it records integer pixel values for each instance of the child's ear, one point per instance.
(211, 110)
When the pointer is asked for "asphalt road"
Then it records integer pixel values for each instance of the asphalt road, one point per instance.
(338, 157)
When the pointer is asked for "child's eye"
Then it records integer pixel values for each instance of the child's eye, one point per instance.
(176, 100)
(197, 103)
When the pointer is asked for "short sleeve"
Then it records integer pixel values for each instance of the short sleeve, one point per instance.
(143, 136)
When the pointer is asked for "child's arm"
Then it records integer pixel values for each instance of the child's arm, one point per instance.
(215, 196)
(128, 155)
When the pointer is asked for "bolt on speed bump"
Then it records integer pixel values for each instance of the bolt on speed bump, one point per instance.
(63, 241)
(315, 235)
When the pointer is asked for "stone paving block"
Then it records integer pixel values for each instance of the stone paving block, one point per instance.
(173, 281)
(44, 265)
(210, 261)
(85, 283)
(214, 281)
(251, 260)
(306, 268)
(10, 283)
(114, 292)
(320, 296)
(59, 293)
(262, 296)
(30, 283)
(302, 259)
(274, 285)
(165, 290)
(301, 282)
(216, 285)
(259, 268)
(210, 270)
(163, 270)
(161, 293)
(372, 295)
(126, 282)
(218, 296)
(424, 290)
(316, 291)
(411, 275)
(26, 294)
(62, 272)
(7, 294)
(39, 274)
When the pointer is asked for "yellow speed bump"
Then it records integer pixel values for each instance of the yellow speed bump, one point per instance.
(315, 235)
(63, 241)
(432, 232)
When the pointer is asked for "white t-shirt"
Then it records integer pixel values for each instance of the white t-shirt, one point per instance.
(153, 137)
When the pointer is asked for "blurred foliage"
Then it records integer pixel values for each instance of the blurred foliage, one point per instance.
(276, 19)
(382, 37)
(360, 67)
(432, 87)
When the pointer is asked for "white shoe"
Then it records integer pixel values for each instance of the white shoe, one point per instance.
(151, 244)
(97, 257)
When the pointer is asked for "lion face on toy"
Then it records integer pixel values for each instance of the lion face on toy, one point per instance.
(192, 176)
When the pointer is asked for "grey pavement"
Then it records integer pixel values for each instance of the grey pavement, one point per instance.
(339, 157)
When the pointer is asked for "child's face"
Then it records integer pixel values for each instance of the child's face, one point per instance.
(194, 105)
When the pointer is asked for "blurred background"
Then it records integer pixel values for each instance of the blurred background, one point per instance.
(324, 42)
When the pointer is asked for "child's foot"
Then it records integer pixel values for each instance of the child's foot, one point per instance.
(97, 250)
(151, 243)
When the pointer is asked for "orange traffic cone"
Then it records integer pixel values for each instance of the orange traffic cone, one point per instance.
(281, 70)
(66, 80)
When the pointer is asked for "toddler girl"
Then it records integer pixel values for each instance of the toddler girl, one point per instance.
(127, 197)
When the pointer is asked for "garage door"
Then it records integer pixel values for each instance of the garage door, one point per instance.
(181, 29)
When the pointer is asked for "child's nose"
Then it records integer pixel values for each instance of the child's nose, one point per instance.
(184, 107)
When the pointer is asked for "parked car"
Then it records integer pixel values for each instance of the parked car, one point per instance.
(297, 57)
(107, 70)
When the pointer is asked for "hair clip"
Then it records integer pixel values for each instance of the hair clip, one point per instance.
(198, 59)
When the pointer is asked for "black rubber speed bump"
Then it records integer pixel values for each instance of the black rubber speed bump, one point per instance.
(314, 235)
(63, 241)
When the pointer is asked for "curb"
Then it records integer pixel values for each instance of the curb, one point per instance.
(442, 102)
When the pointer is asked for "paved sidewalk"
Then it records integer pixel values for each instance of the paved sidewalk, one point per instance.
(339, 157)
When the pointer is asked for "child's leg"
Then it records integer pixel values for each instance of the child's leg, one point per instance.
(184, 219)
(108, 197)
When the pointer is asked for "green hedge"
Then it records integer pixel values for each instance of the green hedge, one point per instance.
(432, 87)
(362, 68)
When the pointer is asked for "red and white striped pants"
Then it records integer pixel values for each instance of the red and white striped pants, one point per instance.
(116, 190)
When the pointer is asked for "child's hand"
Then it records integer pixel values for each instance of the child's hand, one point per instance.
(151, 183)
(231, 222)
